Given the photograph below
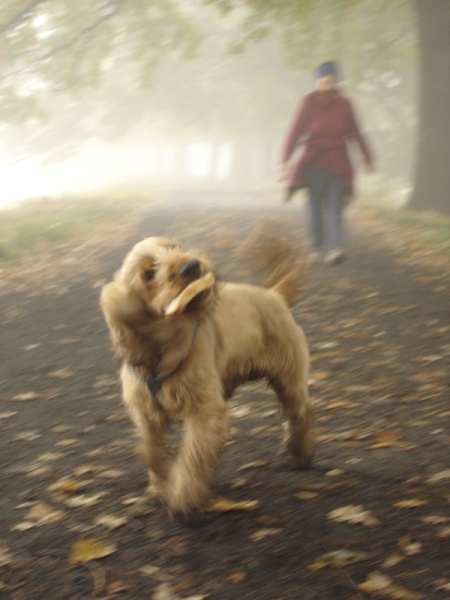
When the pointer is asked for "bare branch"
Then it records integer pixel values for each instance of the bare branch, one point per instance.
(85, 30)
(82, 33)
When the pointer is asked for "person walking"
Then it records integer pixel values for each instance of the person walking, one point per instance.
(324, 123)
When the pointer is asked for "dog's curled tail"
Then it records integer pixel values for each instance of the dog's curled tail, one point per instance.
(272, 250)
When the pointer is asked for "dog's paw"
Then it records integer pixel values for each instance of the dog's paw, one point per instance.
(155, 492)
(286, 460)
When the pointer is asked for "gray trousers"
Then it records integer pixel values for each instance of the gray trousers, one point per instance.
(325, 204)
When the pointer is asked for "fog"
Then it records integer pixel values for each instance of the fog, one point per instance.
(115, 169)
(212, 116)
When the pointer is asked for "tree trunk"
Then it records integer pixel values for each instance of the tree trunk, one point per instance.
(432, 174)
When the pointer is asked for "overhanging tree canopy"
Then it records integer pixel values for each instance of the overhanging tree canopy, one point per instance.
(64, 50)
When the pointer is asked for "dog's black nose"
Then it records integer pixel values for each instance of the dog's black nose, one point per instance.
(191, 270)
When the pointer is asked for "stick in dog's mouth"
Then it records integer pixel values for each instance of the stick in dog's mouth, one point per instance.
(197, 287)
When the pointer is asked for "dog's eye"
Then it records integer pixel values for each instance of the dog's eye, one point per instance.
(149, 275)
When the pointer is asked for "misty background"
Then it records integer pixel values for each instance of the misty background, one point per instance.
(116, 96)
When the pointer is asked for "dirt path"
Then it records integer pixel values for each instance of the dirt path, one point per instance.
(369, 519)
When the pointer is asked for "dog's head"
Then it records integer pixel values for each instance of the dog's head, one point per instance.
(163, 280)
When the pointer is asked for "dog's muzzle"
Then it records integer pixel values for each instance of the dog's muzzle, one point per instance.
(191, 270)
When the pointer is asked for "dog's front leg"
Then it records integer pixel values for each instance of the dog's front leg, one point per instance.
(206, 429)
(152, 427)
(157, 455)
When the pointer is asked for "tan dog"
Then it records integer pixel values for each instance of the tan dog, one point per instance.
(187, 343)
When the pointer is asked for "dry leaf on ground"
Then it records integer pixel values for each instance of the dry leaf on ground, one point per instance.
(338, 558)
(110, 521)
(353, 514)
(90, 549)
(237, 577)
(256, 464)
(411, 503)
(438, 477)
(306, 495)
(263, 533)
(64, 373)
(25, 397)
(224, 505)
(378, 584)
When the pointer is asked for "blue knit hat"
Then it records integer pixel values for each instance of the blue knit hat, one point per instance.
(327, 68)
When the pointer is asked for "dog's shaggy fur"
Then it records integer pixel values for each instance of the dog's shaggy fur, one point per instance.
(225, 335)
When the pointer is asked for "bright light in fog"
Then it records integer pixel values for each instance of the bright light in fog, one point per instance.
(199, 159)
(224, 161)
(168, 160)
(104, 166)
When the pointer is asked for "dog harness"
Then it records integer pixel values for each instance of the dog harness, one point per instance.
(154, 384)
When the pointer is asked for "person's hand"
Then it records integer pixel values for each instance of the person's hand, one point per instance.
(370, 169)
(282, 171)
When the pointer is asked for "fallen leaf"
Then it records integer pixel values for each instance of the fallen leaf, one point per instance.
(165, 592)
(306, 495)
(116, 587)
(68, 485)
(6, 557)
(444, 532)
(409, 547)
(67, 442)
(225, 505)
(238, 483)
(90, 549)
(256, 464)
(110, 521)
(263, 533)
(411, 503)
(392, 560)
(378, 584)
(334, 473)
(442, 584)
(338, 558)
(64, 373)
(353, 514)
(7, 415)
(50, 456)
(155, 572)
(67, 341)
(237, 577)
(387, 439)
(438, 477)
(85, 500)
(340, 404)
(321, 375)
(25, 397)
(391, 435)
(42, 513)
(111, 473)
(434, 519)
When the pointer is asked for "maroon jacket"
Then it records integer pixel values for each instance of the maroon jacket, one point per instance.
(324, 124)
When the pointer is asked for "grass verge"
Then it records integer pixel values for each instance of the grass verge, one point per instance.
(430, 231)
(32, 228)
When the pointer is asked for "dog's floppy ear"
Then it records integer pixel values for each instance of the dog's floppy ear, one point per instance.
(120, 304)
(123, 311)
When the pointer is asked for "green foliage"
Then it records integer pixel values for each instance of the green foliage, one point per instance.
(55, 46)
(362, 34)
(99, 67)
